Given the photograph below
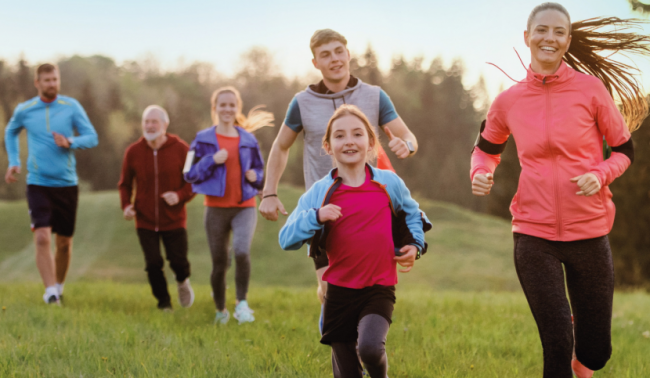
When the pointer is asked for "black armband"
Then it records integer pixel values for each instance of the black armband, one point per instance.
(626, 149)
(487, 146)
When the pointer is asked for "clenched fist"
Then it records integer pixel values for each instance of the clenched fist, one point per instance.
(482, 184)
(329, 212)
(220, 157)
(588, 184)
(251, 176)
(129, 212)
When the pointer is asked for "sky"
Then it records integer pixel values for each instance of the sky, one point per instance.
(218, 32)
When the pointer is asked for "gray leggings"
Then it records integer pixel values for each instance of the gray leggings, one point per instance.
(218, 224)
(373, 330)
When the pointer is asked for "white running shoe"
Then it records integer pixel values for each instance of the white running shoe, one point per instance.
(243, 313)
(185, 293)
(51, 296)
(222, 317)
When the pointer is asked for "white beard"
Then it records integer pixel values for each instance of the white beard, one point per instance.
(152, 136)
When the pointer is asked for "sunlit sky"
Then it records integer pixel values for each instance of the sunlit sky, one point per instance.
(218, 32)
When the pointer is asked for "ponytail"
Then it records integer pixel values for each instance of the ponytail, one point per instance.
(256, 119)
(619, 78)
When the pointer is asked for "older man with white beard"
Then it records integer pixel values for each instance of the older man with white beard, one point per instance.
(153, 167)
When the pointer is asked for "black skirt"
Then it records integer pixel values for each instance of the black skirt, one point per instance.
(345, 307)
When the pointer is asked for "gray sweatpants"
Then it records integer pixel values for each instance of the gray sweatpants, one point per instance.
(219, 222)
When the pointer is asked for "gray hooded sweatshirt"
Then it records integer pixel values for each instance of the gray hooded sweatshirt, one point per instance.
(316, 109)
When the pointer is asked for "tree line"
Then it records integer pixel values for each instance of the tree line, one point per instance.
(441, 111)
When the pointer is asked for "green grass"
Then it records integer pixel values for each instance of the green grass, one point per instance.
(111, 330)
(459, 313)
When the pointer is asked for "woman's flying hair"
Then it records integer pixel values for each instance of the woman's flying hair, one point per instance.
(587, 41)
(256, 119)
(345, 110)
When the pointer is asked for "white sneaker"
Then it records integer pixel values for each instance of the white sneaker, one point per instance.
(222, 317)
(243, 313)
(185, 293)
(51, 296)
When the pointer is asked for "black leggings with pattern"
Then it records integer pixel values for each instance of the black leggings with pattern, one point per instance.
(590, 283)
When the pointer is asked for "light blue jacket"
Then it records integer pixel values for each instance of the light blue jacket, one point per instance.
(47, 163)
(303, 224)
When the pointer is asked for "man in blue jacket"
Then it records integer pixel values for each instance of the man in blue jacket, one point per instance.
(56, 126)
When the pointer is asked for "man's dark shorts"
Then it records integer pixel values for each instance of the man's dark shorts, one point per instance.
(53, 207)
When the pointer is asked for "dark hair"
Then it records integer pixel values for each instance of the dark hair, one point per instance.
(45, 68)
(587, 40)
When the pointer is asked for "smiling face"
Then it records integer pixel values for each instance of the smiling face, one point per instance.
(48, 84)
(349, 141)
(548, 39)
(332, 59)
(227, 108)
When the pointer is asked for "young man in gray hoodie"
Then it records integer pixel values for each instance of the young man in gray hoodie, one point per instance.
(310, 111)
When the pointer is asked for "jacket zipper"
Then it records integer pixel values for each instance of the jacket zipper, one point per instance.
(390, 200)
(47, 118)
(558, 208)
(156, 199)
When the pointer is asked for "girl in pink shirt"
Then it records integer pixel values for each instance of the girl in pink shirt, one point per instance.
(362, 217)
(563, 208)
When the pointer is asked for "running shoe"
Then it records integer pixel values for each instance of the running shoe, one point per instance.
(52, 300)
(581, 371)
(222, 317)
(243, 313)
(185, 293)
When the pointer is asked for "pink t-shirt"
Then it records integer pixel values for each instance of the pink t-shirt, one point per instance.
(360, 243)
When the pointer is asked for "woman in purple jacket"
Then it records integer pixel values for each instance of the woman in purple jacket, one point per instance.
(226, 165)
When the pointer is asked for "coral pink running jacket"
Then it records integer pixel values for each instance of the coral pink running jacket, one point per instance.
(558, 122)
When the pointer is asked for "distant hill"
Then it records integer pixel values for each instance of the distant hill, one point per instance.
(467, 251)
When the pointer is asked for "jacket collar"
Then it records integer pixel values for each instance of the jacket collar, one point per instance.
(209, 135)
(171, 139)
(563, 75)
(334, 172)
(352, 86)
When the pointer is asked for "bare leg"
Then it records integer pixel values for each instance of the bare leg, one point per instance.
(44, 260)
(322, 285)
(63, 257)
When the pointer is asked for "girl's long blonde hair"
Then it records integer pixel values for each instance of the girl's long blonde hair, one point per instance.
(256, 119)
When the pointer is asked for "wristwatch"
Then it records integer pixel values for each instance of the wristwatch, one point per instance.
(410, 147)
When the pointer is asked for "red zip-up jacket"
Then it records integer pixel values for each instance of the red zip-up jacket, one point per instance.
(151, 173)
(558, 122)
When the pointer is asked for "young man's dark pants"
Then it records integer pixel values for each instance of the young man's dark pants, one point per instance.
(175, 242)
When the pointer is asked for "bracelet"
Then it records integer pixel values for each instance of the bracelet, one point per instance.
(269, 195)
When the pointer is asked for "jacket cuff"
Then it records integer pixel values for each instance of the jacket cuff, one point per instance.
(599, 176)
(314, 219)
(479, 171)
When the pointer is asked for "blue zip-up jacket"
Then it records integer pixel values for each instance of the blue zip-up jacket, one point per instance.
(209, 178)
(47, 163)
(303, 226)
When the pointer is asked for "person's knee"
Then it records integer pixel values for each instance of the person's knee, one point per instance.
(372, 353)
(594, 359)
(155, 265)
(42, 238)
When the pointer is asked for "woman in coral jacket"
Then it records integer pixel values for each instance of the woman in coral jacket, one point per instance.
(563, 209)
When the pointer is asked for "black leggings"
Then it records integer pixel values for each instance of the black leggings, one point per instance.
(590, 283)
(373, 330)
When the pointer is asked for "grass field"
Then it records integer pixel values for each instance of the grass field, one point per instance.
(460, 312)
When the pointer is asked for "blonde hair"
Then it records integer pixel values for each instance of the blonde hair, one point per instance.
(256, 118)
(345, 110)
(324, 36)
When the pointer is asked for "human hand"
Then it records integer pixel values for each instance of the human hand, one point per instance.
(9, 176)
(407, 259)
(588, 184)
(171, 198)
(251, 176)
(61, 140)
(270, 206)
(129, 212)
(397, 145)
(329, 212)
(482, 184)
(220, 157)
